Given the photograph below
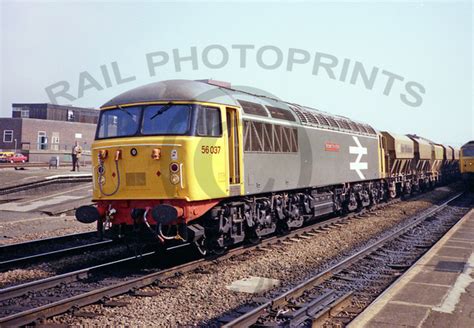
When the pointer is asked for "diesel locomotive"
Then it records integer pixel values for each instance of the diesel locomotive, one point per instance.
(466, 164)
(201, 162)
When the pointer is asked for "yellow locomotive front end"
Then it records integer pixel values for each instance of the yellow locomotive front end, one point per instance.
(466, 164)
(160, 165)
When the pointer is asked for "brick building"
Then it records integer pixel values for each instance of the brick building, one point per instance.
(45, 130)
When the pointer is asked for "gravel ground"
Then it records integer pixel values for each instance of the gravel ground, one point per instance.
(25, 229)
(17, 276)
(201, 296)
(36, 228)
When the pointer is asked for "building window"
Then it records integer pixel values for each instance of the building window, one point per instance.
(55, 141)
(25, 113)
(70, 115)
(7, 135)
(42, 140)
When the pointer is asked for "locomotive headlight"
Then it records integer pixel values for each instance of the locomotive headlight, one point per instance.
(174, 178)
(156, 153)
(103, 154)
(102, 180)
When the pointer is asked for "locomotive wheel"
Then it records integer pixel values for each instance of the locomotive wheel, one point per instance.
(282, 228)
(254, 239)
(251, 235)
(216, 249)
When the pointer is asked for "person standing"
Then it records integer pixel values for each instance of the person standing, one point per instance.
(76, 156)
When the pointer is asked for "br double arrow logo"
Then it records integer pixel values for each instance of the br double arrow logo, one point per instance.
(360, 151)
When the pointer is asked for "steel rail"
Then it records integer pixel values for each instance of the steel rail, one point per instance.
(37, 285)
(252, 316)
(53, 254)
(36, 242)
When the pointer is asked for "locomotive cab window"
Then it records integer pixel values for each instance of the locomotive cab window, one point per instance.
(468, 152)
(160, 120)
(208, 122)
(118, 122)
(166, 119)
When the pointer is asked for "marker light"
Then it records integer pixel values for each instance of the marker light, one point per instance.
(174, 178)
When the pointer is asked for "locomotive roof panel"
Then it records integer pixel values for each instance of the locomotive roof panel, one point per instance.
(468, 144)
(185, 90)
(253, 105)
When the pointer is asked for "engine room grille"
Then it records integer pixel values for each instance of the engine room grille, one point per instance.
(253, 108)
(323, 120)
(273, 138)
(280, 113)
(135, 179)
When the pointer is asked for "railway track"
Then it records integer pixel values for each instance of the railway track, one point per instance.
(92, 285)
(337, 294)
(29, 252)
(71, 291)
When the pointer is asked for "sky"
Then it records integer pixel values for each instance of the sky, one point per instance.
(428, 44)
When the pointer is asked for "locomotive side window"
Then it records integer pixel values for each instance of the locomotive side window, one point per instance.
(118, 122)
(166, 119)
(208, 122)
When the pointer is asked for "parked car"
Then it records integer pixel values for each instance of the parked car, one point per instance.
(5, 155)
(18, 158)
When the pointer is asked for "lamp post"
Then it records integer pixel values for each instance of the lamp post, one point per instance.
(15, 145)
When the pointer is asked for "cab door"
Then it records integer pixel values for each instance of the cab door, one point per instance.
(234, 145)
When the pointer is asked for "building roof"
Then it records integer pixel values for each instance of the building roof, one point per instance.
(49, 105)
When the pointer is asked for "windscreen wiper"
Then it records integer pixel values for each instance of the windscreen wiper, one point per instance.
(162, 110)
(125, 111)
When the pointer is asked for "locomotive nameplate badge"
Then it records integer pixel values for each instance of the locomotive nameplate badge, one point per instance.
(331, 146)
(174, 154)
(357, 165)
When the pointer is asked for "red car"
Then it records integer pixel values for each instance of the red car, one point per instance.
(17, 158)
